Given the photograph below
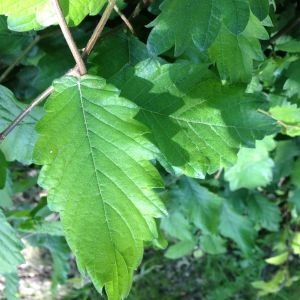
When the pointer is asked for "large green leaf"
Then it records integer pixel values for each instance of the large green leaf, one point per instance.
(235, 14)
(260, 8)
(234, 55)
(36, 14)
(183, 22)
(190, 114)
(18, 145)
(99, 178)
(10, 247)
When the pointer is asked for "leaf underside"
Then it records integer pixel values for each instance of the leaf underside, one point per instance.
(99, 178)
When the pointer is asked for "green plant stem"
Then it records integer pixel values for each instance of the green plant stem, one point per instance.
(98, 30)
(68, 37)
(25, 112)
(19, 58)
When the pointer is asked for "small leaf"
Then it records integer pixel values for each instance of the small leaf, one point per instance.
(236, 15)
(99, 178)
(203, 206)
(3, 170)
(241, 49)
(260, 8)
(292, 84)
(296, 243)
(253, 167)
(10, 247)
(212, 244)
(278, 259)
(238, 228)
(296, 173)
(180, 249)
(264, 212)
(18, 145)
(182, 22)
(288, 116)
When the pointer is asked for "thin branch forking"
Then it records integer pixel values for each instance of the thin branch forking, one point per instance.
(99, 28)
(68, 37)
(25, 112)
(74, 71)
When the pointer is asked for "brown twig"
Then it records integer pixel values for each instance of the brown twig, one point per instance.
(124, 18)
(68, 37)
(288, 27)
(98, 30)
(74, 71)
(140, 6)
(19, 58)
(25, 112)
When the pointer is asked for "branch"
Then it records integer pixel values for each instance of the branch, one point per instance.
(98, 30)
(68, 37)
(288, 27)
(19, 58)
(124, 18)
(25, 112)
(74, 71)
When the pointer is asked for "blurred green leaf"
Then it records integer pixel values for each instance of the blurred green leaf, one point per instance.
(180, 249)
(19, 144)
(10, 247)
(253, 167)
(238, 228)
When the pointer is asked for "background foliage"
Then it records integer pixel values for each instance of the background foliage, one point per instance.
(181, 143)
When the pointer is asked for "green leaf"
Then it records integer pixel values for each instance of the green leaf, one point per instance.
(212, 244)
(10, 247)
(116, 53)
(234, 55)
(253, 167)
(288, 115)
(296, 173)
(11, 43)
(60, 254)
(292, 84)
(260, 8)
(37, 14)
(294, 198)
(180, 249)
(289, 45)
(190, 119)
(236, 15)
(203, 206)
(99, 179)
(263, 211)
(11, 286)
(177, 225)
(6, 193)
(237, 227)
(3, 170)
(278, 259)
(18, 145)
(182, 22)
